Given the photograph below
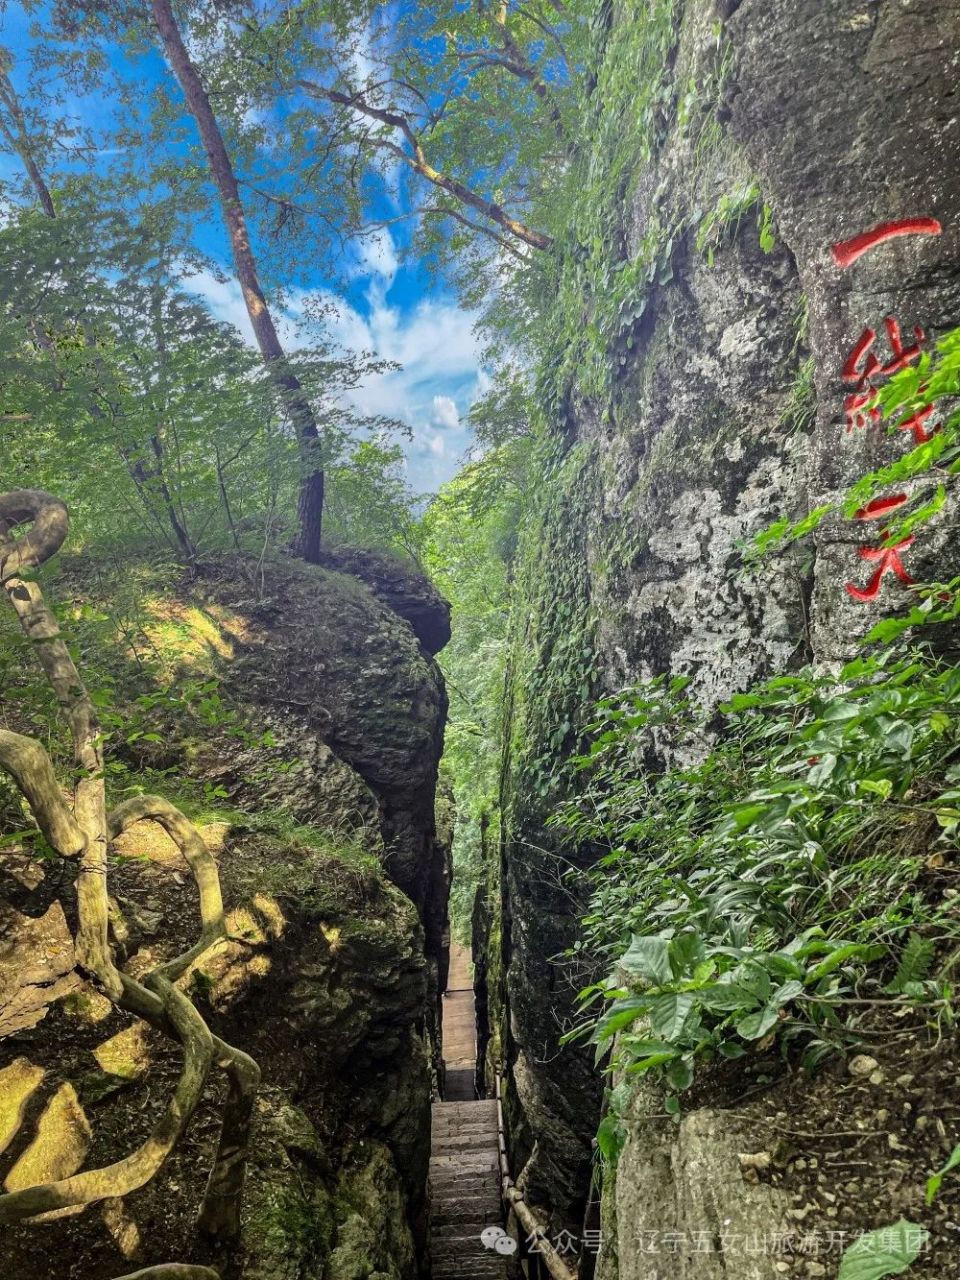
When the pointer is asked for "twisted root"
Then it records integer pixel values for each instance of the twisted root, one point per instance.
(85, 830)
(173, 1271)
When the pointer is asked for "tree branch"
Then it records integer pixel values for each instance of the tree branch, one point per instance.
(419, 163)
(19, 137)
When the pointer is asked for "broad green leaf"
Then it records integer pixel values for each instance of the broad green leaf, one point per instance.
(728, 996)
(730, 1049)
(642, 1065)
(889, 1251)
(686, 952)
(755, 1025)
(669, 1013)
(680, 1073)
(823, 768)
(746, 815)
(879, 787)
(622, 1013)
(650, 958)
(787, 992)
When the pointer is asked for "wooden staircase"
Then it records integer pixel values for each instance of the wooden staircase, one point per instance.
(464, 1163)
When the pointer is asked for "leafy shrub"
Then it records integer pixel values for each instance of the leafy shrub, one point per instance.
(772, 887)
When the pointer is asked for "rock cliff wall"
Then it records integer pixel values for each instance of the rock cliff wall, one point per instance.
(772, 131)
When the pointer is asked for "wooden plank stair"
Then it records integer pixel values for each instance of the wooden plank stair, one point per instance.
(464, 1169)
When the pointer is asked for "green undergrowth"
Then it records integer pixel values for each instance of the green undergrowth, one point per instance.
(151, 659)
(782, 886)
(601, 289)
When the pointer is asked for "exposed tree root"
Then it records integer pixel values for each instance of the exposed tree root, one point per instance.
(27, 762)
(173, 1271)
(85, 830)
(201, 863)
(135, 1170)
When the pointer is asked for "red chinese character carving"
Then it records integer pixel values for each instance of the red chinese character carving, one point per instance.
(852, 372)
(862, 366)
(880, 507)
(916, 424)
(902, 356)
(846, 252)
(889, 562)
(858, 410)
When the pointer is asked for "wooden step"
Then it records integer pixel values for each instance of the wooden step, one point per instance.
(464, 1183)
(464, 1191)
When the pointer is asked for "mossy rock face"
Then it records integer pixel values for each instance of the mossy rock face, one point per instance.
(402, 587)
(313, 787)
(344, 685)
(373, 1241)
(289, 1217)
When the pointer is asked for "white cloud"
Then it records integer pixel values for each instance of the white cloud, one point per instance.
(378, 256)
(484, 383)
(224, 298)
(433, 342)
(445, 412)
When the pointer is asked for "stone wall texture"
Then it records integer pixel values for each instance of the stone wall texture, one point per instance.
(727, 413)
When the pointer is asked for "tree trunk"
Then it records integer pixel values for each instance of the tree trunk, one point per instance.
(18, 137)
(310, 507)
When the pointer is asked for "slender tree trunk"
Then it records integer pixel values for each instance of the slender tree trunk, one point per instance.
(221, 170)
(178, 521)
(18, 137)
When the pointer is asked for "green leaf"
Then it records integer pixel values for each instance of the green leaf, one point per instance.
(881, 787)
(669, 1013)
(650, 958)
(686, 953)
(840, 955)
(934, 1181)
(745, 815)
(680, 1073)
(652, 1060)
(787, 992)
(728, 996)
(756, 1025)
(889, 1251)
(783, 966)
(611, 1138)
(730, 1049)
(640, 1047)
(822, 770)
(621, 1014)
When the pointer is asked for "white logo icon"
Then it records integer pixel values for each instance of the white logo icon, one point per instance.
(496, 1238)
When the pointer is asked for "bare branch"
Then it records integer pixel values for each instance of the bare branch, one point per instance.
(502, 241)
(18, 138)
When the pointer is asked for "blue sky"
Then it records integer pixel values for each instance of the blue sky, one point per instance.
(390, 307)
